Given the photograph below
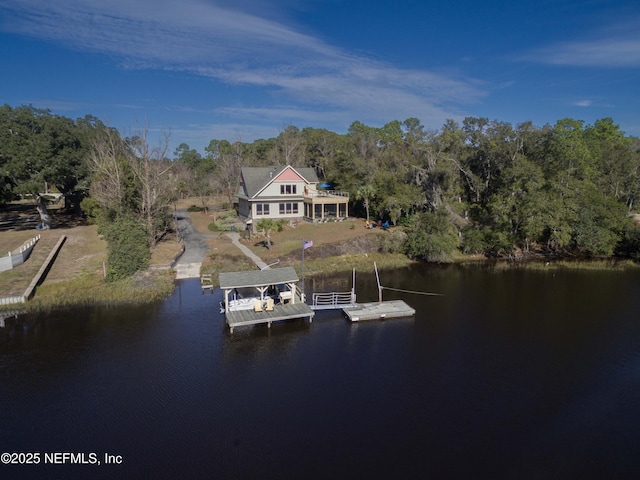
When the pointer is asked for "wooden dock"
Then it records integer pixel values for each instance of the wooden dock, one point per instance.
(290, 303)
(288, 311)
(378, 310)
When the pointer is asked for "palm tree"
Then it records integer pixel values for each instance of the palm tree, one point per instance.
(366, 193)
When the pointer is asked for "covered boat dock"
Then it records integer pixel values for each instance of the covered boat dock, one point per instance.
(277, 297)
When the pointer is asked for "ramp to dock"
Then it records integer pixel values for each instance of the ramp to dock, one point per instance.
(378, 310)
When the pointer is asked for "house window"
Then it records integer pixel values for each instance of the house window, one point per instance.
(288, 189)
(288, 208)
(262, 209)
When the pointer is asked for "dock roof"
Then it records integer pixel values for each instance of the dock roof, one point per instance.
(257, 278)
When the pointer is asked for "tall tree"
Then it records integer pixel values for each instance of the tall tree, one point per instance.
(187, 156)
(39, 151)
(113, 185)
(289, 148)
(227, 171)
(133, 178)
(615, 160)
(518, 208)
(322, 148)
(366, 193)
(151, 169)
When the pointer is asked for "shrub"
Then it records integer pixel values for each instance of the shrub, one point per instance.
(228, 215)
(218, 227)
(473, 240)
(498, 243)
(629, 246)
(430, 237)
(91, 209)
(127, 247)
(392, 242)
(195, 208)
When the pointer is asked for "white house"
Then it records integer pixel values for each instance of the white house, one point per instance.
(289, 193)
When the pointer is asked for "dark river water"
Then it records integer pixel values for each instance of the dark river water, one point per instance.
(510, 374)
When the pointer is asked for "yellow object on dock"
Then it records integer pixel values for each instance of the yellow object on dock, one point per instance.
(379, 310)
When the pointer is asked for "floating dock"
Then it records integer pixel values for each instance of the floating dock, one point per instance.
(378, 310)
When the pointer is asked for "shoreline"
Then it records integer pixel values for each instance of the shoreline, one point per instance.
(351, 251)
(155, 285)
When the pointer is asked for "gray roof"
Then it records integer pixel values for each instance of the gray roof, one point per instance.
(257, 278)
(256, 178)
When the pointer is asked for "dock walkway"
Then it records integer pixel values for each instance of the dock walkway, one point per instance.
(291, 311)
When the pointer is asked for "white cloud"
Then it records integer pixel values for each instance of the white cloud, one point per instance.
(614, 47)
(583, 103)
(241, 48)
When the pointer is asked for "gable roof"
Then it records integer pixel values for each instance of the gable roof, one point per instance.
(256, 178)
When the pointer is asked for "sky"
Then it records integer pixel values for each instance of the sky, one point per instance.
(241, 70)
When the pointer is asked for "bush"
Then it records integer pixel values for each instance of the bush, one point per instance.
(228, 215)
(127, 247)
(218, 227)
(194, 208)
(392, 242)
(91, 209)
(498, 243)
(629, 246)
(430, 237)
(473, 240)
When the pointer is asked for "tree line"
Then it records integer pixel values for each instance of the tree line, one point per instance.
(121, 183)
(478, 186)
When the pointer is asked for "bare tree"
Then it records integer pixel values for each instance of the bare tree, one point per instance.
(130, 176)
(110, 168)
(150, 167)
(228, 167)
(290, 147)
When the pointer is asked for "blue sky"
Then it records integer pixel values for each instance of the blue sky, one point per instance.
(246, 69)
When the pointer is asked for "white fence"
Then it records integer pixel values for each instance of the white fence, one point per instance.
(12, 300)
(18, 256)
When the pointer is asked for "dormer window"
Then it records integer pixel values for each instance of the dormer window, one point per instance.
(288, 189)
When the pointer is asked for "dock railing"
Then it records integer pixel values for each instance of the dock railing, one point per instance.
(333, 300)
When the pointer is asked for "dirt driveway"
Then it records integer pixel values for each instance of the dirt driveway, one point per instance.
(195, 247)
